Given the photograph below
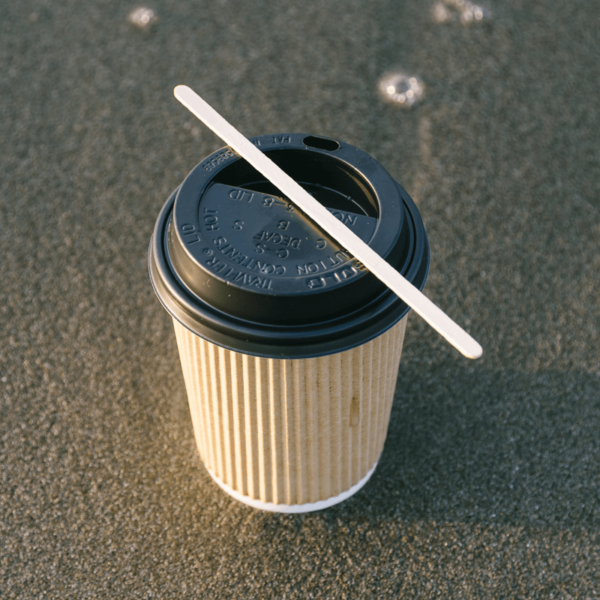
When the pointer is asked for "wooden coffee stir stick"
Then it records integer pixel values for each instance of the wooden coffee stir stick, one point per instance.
(439, 320)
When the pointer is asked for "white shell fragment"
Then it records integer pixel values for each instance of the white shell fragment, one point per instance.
(402, 89)
(142, 17)
(465, 11)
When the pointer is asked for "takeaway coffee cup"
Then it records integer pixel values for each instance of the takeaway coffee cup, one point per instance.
(289, 346)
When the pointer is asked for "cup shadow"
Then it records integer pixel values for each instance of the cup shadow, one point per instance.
(491, 447)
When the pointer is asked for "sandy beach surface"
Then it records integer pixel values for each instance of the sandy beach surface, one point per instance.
(488, 486)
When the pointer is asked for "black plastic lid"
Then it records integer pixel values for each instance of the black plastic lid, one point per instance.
(236, 263)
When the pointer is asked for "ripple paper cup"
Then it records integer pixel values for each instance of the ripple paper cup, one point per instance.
(289, 346)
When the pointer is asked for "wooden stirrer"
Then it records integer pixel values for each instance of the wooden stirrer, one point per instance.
(438, 319)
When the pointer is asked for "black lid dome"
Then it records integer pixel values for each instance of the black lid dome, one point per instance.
(236, 263)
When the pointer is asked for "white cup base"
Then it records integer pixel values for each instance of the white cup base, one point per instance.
(294, 508)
